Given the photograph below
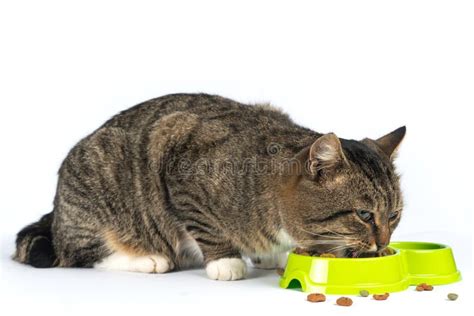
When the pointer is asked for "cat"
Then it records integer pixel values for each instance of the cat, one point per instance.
(189, 180)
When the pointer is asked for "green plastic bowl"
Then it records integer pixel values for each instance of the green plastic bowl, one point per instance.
(412, 263)
(428, 262)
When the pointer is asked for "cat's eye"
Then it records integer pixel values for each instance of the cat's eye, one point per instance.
(393, 215)
(366, 216)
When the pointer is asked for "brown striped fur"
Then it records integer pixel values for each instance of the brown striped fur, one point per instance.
(156, 176)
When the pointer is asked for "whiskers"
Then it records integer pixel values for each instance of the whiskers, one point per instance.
(356, 247)
(330, 233)
(330, 237)
(334, 241)
(342, 247)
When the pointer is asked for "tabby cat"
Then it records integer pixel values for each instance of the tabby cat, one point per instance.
(194, 179)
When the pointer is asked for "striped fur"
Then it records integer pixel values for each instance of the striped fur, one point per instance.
(192, 178)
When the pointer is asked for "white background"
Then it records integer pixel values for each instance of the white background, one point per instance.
(357, 68)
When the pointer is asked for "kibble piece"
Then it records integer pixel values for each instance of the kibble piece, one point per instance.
(387, 252)
(327, 255)
(381, 297)
(316, 297)
(452, 296)
(301, 251)
(280, 271)
(298, 250)
(364, 293)
(344, 301)
(424, 287)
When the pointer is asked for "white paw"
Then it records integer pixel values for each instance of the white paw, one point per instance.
(273, 261)
(144, 264)
(226, 269)
(161, 264)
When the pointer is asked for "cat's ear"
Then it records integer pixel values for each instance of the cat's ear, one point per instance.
(391, 142)
(325, 154)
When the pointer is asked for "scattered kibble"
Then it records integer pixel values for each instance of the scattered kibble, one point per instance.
(327, 255)
(280, 271)
(316, 297)
(424, 287)
(344, 301)
(364, 293)
(381, 297)
(452, 296)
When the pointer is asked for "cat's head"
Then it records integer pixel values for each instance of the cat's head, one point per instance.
(347, 200)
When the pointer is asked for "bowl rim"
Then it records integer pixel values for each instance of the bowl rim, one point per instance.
(439, 248)
(398, 251)
(389, 257)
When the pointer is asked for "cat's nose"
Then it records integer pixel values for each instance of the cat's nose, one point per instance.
(381, 246)
(383, 239)
(382, 243)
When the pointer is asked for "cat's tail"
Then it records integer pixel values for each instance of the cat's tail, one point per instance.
(34, 244)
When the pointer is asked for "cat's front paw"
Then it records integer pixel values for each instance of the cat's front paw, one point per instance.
(273, 261)
(226, 269)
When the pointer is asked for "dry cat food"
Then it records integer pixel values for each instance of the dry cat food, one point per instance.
(381, 297)
(452, 296)
(280, 271)
(304, 252)
(364, 293)
(301, 251)
(344, 301)
(424, 287)
(316, 297)
(383, 253)
(327, 255)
